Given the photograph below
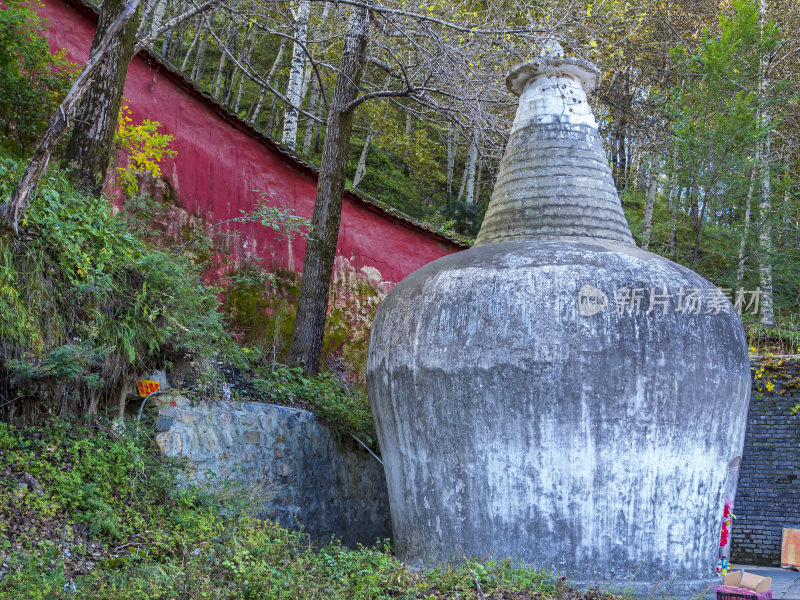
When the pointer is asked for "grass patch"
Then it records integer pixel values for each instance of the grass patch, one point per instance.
(90, 514)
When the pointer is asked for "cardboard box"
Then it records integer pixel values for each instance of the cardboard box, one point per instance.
(748, 581)
(790, 547)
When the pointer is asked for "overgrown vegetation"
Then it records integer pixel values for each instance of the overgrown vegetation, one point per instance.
(85, 303)
(32, 80)
(345, 407)
(90, 514)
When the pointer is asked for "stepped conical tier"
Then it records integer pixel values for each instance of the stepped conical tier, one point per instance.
(554, 180)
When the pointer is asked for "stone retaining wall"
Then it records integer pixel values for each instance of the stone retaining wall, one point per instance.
(309, 480)
(768, 495)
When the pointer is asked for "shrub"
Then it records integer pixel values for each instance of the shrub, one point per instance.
(85, 303)
(32, 80)
(344, 407)
(145, 146)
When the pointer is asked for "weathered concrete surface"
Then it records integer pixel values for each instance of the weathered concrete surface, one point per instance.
(515, 426)
(556, 395)
(309, 480)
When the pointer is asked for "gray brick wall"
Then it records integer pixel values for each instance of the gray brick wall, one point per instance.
(768, 495)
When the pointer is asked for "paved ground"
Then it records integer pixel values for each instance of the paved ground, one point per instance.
(785, 582)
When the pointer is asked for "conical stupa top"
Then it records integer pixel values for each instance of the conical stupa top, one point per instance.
(554, 181)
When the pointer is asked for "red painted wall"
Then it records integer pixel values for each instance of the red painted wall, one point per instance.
(221, 161)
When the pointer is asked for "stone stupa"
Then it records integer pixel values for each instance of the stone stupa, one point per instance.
(555, 394)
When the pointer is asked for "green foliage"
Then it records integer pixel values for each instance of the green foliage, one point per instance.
(32, 80)
(344, 407)
(715, 113)
(261, 306)
(102, 517)
(84, 302)
(713, 167)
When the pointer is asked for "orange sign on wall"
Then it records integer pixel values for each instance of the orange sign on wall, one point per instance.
(790, 549)
(147, 386)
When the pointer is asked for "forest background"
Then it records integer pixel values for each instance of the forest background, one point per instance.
(698, 109)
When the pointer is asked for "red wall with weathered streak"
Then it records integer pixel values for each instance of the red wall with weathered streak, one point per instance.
(220, 162)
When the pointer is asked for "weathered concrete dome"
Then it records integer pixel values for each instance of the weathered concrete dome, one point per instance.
(555, 394)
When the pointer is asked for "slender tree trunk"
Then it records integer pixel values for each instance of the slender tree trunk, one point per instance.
(621, 168)
(309, 326)
(765, 235)
(313, 105)
(699, 229)
(269, 79)
(473, 160)
(745, 230)
(147, 10)
(636, 159)
(248, 52)
(361, 168)
(218, 80)
(673, 231)
(650, 200)
(89, 148)
(315, 102)
(158, 15)
(295, 86)
(452, 142)
(465, 174)
(197, 36)
(167, 44)
(230, 69)
(478, 182)
(197, 69)
(765, 203)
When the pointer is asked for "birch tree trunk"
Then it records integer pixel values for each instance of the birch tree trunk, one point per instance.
(198, 34)
(316, 97)
(158, 15)
(765, 203)
(361, 168)
(745, 230)
(452, 141)
(147, 10)
(650, 200)
(270, 77)
(473, 160)
(247, 50)
(478, 182)
(89, 147)
(295, 86)
(309, 327)
(313, 105)
(465, 175)
(198, 67)
(220, 69)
